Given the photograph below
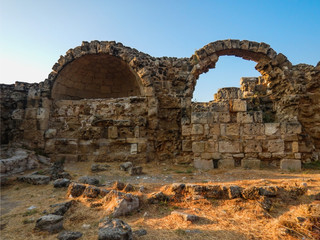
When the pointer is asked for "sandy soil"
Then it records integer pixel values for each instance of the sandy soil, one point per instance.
(220, 219)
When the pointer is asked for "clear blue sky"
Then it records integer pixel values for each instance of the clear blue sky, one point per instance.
(35, 33)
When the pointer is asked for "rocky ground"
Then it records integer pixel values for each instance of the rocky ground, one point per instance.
(165, 201)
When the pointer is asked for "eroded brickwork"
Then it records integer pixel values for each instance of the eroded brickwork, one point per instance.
(104, 101)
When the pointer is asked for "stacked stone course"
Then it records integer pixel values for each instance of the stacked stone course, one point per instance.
(225, 132)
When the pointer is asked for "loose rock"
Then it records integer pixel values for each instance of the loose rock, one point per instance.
(61, 182)
(125, 166)
(91, 192)
(99, 167)
(119, 185)
(135, 170)
(114, 229)
(268, 191)
(76, 189)
(35, 179)
(234, 191)
(88, 180)
(121, 205)
(186, 216)
(157, 197)
(250, 193)
(68, 235)
(51, 223)
(61, 208)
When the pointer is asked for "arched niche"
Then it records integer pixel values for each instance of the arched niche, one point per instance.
(96, 76)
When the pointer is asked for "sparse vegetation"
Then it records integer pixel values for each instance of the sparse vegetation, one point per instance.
(311, 165)
(230, 219)
(30, 212)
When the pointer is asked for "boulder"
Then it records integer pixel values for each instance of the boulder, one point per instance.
(88, 180)
(35, 179)
(186, 216)
(125, 166)
(99, 167)
(17, 160)
(91, 192)
(114, 229)
(122, 204)
(68, 235)
(56, 171)
(234, 191)
(157, 197)
(250, 193)
(119, 185)
(137, 170)
(51, 223)
(76, 189)
(61, 182)
(61, 208)
(268, 191)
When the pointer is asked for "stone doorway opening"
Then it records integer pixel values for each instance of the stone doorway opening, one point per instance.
(209, 83)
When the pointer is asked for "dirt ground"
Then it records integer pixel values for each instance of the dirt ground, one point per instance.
(220, 219)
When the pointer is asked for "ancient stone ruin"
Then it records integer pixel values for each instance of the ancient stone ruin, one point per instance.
(107, 102)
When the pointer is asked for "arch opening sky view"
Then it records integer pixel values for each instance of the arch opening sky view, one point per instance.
(35, 33)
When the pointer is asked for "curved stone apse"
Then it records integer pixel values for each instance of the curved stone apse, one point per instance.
(96, 76)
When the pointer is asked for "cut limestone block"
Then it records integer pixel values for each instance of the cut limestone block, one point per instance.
(203, 163)
(290, 164)
(272, 129)
(198, 147)
(276, 146)
(197, 129)
(226, 163)
(229, 147)
(238, 105)
(251, 163)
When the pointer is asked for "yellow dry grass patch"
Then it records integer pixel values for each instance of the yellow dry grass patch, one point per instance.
(220, 219)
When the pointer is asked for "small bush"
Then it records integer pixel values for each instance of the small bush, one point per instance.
(30, 212)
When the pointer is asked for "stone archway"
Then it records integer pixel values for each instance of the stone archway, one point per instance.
(113, 60)
(270, 64)
(96, 76)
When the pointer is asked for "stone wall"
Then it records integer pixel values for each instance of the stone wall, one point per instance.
(99, 129)
(25, 112)
(100, 93)
(224, 133)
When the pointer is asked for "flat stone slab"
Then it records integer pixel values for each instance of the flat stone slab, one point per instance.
(290, 164)
(61, 182)
(186, 216)
(114, 229)
(68, 235)
(51, 223)
(35, 179)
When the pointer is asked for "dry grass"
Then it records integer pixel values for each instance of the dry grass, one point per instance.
(220, 219)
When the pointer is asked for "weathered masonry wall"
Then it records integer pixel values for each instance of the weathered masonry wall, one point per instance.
(106, 102)
(98, 130)
(225, 134)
